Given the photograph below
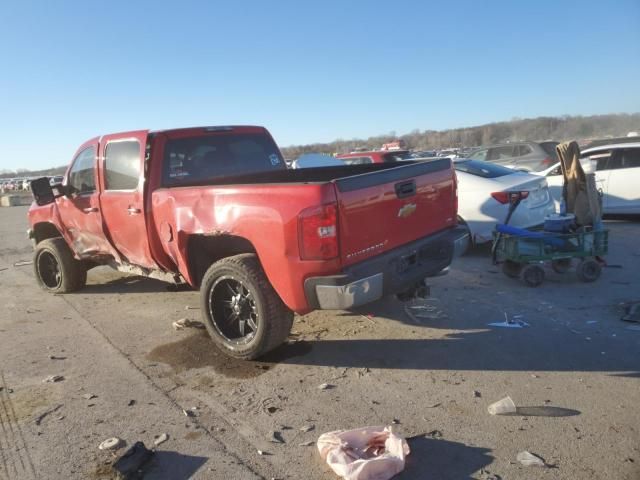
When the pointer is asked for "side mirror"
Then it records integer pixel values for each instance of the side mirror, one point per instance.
(42, 191)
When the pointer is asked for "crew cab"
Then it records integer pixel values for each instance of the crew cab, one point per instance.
(216, 208)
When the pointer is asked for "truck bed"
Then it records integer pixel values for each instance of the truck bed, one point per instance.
(347, 177)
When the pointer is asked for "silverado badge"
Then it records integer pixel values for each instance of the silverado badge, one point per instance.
(407, 210)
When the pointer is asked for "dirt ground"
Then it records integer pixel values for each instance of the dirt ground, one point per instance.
(574, 374)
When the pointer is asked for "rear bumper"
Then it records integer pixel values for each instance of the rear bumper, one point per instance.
(392, 272)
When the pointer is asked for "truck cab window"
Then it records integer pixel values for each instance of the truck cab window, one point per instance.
(122, 165)
(82, 174)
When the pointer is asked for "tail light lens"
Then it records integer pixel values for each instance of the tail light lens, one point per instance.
(318, 232)
(547, 162)
(506, 197)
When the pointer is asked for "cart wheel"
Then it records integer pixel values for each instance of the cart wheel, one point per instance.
(533, 275)
(561, 266)
(588, 270)
(511, 269)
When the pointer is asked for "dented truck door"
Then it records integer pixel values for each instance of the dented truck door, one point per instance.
(122, 183)
(79, 208)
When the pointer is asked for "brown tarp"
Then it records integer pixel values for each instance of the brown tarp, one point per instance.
(579, 191)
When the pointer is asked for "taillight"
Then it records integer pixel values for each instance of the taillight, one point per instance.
(318, 232)
(506, 197)
(547, 162)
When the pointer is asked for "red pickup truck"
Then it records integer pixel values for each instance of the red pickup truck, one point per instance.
(216, 208)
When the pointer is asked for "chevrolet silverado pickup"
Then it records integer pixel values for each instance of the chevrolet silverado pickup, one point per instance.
(216, 208)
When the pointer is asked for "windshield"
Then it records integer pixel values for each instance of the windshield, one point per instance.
(482, 169)
(550, 149)
(205, 158)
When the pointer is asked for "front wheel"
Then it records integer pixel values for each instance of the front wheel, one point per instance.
(55, 268)
(243, 314)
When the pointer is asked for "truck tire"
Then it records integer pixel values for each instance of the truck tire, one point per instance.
(243, 314)
(55, 268)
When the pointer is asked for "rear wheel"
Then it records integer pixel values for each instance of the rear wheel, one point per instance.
(561, 266)
(511, 269)
(533, 275)
(588, 270)
(244, 316)
(55, 268)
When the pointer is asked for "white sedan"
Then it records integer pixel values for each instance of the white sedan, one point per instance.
(617, 169)
(483, 194)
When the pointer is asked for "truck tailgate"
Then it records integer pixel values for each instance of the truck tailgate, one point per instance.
(382, 210)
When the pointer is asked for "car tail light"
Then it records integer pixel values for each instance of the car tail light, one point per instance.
(506, 197)
(318, 232)
(547, 162)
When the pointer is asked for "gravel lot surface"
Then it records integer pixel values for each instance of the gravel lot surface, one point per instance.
(430, 366)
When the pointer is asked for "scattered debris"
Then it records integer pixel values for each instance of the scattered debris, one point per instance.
(53, 379)
(272, 409)
(189, 307)
(395, 421)
(476, 394)
(307, 428)
(53, 357)
(276, 437)
(89, 396)
(502, 407)
(129, 465)
(187, 323)
(159, 439)
(131, 403)
(23, 263)
(364, 452)
(190, 413)
(632, 313)
(40, 417)
(433, 405)
(434, 434)
(262, 452)
(510, 322)
(306, 444)
(2, 269)
(112, 443)
(326, 386)
(528, 459)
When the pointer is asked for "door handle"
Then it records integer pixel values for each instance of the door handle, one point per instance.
(133, 211)
(90, 209)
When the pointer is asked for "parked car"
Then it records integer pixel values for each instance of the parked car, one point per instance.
(56, 179)
(311, 160)
(483, 199)
(617, 170)
(375, 156)
(217, 209)
(526, 156)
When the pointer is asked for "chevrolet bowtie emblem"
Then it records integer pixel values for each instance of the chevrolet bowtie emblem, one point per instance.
(407, 210)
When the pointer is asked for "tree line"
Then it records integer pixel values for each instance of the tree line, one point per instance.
(532, 129)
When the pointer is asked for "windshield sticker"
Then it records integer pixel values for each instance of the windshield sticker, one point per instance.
(274, 159)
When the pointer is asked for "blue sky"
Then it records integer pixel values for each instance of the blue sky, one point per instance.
(308, 71)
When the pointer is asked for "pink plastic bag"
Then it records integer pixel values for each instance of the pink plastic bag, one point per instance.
(370, 453)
